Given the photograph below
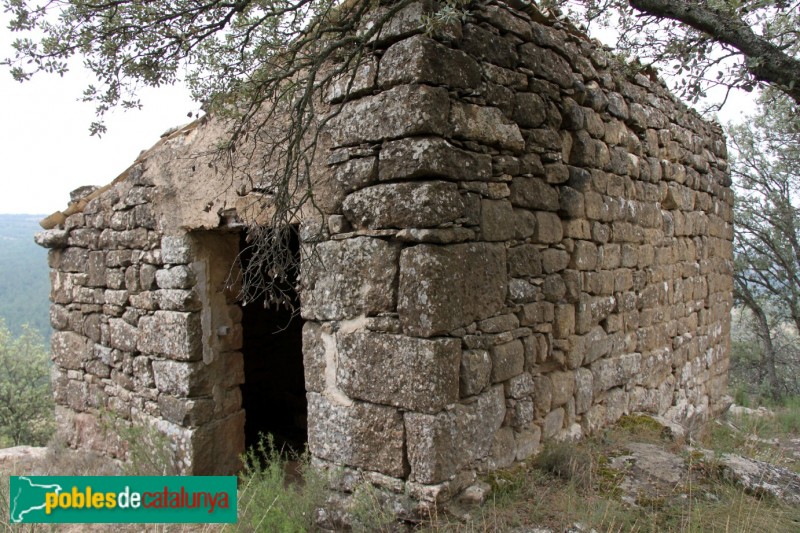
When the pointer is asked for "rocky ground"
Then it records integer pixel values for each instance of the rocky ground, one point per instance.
(644, 475)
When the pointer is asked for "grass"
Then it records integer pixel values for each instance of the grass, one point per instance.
(566, 484)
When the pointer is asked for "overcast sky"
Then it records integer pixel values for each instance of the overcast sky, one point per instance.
(45, 147)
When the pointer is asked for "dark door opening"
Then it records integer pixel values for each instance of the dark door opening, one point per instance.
(274, 394)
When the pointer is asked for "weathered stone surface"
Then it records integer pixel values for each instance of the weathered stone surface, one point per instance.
(431, 157)
(176, 249)
(546, 64)
(519, 387)
(497, 220)
(553, 423)
(360, 435)
(533, 193)
(476, 367)
(563, 387)
(314, 351)
(508, 360)
(446, 287)
(122, 335)
(184, 379)
(421, 204)
(177, 277)
(172, 334)
(485, 125)
(468, 427)
(760, 477)
(70, 350)
(503, 449)
(436, 235)
(525, 260)
(52, 238)
(548, 228)
(414, 374)
(354, 83)
(615, 371)
(489, 46)
(344, 279)
(420, 59)
(399, 112)
(529, 110)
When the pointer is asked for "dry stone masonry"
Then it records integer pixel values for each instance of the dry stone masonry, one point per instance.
(523, 239)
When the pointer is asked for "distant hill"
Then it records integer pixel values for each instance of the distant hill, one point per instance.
(24, 275)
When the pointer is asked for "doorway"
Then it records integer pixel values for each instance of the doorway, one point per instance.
(273, 394)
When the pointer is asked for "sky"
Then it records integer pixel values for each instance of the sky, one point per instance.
(46, 150)
(45, 147)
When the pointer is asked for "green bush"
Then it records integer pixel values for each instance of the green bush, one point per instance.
(26, 399)
(268, 501)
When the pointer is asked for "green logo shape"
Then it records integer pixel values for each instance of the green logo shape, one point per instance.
(122, 499)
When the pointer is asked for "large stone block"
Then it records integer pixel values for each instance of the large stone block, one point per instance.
(524, 261)
(485, 125)
(508, 360)
(421, 204)
(533, 193)
(476, 367)
(70, 350)
(314, 351)
(360, 435)
(172, 334)
(414, 374)
(546, 64)
(442, 444)
(348, 278)
(431, 157)
(615, 371)
(529, 110)
(446, 287)
(420, 59)
(121, 335)
(497, 220)
(399, 112)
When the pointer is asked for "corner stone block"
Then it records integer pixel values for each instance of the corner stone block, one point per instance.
(360, 435)
(440, 445)
(172, 334)
(184, 379)
(414, 374)
(403, 111)
(420, 59)
(348, 278)
(176, 249)
(313, 357)
(216, 448)
(421, 204)
(121, 335)
(70, 350)
(431, 157)
(446, 287)
(485, 125)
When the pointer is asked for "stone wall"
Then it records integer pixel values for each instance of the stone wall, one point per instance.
(144, 332)
(521, 239)
(531, 240)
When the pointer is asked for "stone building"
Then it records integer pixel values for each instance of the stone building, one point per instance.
(520, 239)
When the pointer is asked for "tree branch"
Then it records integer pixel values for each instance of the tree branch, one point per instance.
(764, 61)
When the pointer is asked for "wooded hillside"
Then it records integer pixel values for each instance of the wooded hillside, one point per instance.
(24, 279)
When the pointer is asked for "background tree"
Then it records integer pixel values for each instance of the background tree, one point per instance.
(251, 61)
(26, 399)
(740, 44)
(766, 171)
